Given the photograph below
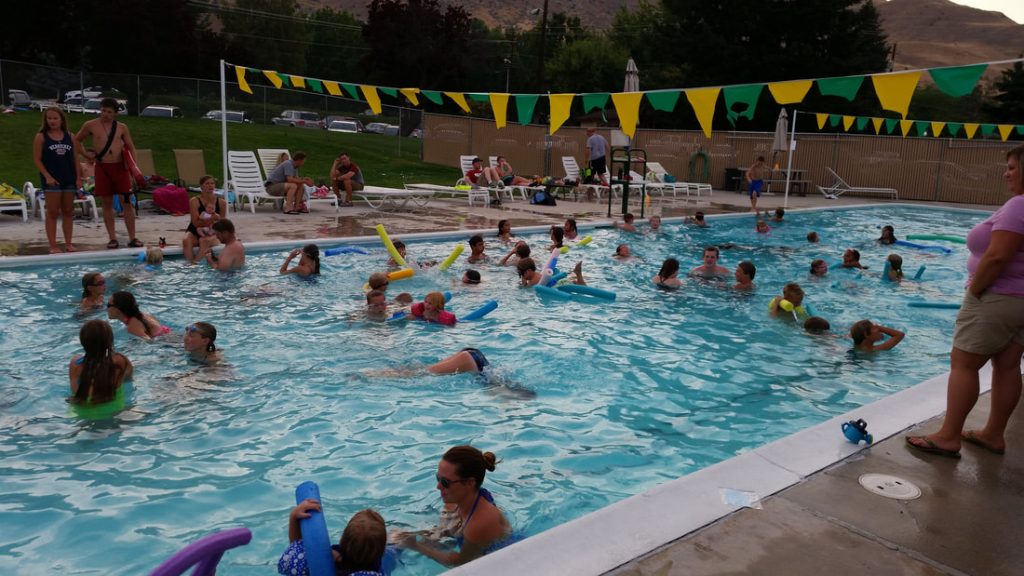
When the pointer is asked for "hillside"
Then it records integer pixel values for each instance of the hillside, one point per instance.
(930, 33)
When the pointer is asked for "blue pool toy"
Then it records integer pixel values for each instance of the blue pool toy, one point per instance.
(920, 272)
(857, 430)
(588, 290)
(942, 249)
(940, 305)
(344, 250)
(481, 311)
(552, 292)
(314, 533)
(554, 279)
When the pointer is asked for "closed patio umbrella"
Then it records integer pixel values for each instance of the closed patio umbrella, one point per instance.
(781, 141)
(632, 83)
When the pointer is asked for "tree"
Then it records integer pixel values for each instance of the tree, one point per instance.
(265, 34)
(415, 43)
(1007, 104)
(335, 44)
(591, 65)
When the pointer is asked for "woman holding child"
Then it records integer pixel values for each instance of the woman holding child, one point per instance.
(204, 210)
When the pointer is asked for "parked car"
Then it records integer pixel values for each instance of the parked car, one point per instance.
(298, 118)
(390, 130)
(343, 126)
(19, 98)
(160, 111)
(359, 124)
(73, 104)
(416, 133)
(92, 106)
(90, 92)
(232, 116)
(376, 127)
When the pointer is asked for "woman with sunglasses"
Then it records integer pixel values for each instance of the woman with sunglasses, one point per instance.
(122, 306)
(94, 286)
(481, 527)
(96, 376)
(309, 261)
(199, 342)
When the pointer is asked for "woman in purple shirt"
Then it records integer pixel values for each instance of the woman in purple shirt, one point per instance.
(990, 326)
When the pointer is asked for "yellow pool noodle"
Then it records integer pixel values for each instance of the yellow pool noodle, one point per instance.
(390, 247)
(452, 257)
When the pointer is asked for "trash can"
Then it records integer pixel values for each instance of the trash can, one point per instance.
(733, 178)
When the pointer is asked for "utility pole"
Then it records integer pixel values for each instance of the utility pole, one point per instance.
(543, 38)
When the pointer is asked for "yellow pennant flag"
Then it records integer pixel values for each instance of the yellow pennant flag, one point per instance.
(560, 106)
(847, 122)
(499, 104)
(971, 130)
(460, 99)
(242, 84)
(877, 123)
(298, 81)
(410, 95)
(895, 90)
(1005, 130)
(332, 88)
(937, 128)
(822, 118)
(372, 98)
(703, 102)
(273, 77)
(627, 104)
(905, 126)
(790, 92)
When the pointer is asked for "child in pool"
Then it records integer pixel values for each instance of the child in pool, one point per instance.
(471, 277)
(895, 268)
(866, 333)
(154, 256)
(623, 253)
(94, 286)
(745, 272)
(627, 223)
(667, 276)
(476, 249)
(812, 237)
(819, 267)
(122, 306)
(762, 227)
(432, 310)
(888, 236)
(791, 293)
(697, 220)
(519, 251)
(359, 551)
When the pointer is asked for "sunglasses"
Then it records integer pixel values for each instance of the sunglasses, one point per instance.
(192, 328)
(446, 483)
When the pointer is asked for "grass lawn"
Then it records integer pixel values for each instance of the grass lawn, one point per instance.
(385, 160)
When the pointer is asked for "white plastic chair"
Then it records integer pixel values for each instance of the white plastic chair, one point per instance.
(37, 202)
(247, 180)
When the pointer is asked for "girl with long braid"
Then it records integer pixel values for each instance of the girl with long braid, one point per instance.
(96, 376)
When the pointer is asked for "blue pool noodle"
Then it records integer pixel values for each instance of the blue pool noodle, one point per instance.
(588, 290)
(554, 279)
(885, 270)
(942, 249)
(344, 250)
(920, 272)
(481, 311)
(943, 305)
(546, 291)
(314, 533)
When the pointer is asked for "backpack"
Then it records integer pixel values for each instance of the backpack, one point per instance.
(543, 198)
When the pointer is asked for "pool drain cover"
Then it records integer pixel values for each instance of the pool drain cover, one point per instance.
(890, 486)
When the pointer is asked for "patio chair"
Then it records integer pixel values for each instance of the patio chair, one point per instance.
(191, 166)
(144, 158)
(840, 187)
(572, 172)
(660, 175)
(482, 194)
(37, 202)
(393, 197)
(15, 202)
(247, 180)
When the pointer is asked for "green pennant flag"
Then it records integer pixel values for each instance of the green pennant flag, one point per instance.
(525, 104)
(922, 127)
(432, 95)
(1020, 129)
(954, 128)
(315, 85)
(862, 122)
(746, 96)
(958, 81)
(286, 80)
(842, 87)
(664, 101)
(352, 90)
(988, 129)
(833, 120)
(392, 92)
(891, 124)
(595, 100)
(479, 97)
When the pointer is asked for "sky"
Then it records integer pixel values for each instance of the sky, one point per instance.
(1014, 9)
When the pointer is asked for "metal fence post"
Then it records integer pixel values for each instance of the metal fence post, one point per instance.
(938, 175)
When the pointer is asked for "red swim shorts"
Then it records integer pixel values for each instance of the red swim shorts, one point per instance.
(112, 178)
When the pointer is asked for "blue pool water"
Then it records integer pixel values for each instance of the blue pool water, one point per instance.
(630, 394)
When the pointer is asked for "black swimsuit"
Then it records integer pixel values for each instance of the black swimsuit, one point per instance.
(192, 227)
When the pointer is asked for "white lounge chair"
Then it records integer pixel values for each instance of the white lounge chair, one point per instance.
(393, 197)
(466, 164)
(660, 174)
(271, 157)
(37, 202)
(572, 172)
(471, 194)
(840, 187)
(247, 180)
(12, 204)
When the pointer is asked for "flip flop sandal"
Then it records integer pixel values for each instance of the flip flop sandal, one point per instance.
(970, 438)
(292, 212)
(136, 243)
(930, 447)
(112, 244)
(303, 210)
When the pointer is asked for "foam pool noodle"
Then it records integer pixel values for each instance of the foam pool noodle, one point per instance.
(390, 247)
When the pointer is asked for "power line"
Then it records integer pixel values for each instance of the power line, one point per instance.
(211, 6)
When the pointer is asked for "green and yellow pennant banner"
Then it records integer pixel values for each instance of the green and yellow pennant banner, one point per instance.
(921, 128)
(894, 91)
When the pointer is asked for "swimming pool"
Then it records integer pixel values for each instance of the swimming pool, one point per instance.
(629, 394)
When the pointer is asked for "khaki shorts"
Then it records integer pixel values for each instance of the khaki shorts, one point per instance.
(355, 185)
(277, 189)
(987, 325)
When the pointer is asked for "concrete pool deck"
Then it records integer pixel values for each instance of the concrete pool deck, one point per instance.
(810, 513)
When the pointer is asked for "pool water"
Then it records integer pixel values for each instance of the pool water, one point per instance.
(629, 394)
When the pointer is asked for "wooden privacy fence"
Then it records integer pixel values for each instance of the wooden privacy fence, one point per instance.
(926, 169)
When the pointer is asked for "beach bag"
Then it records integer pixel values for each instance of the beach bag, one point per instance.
(171, 198)
(543, 198)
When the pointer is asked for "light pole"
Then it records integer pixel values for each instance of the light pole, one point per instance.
(508, 70)
(543, 38)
